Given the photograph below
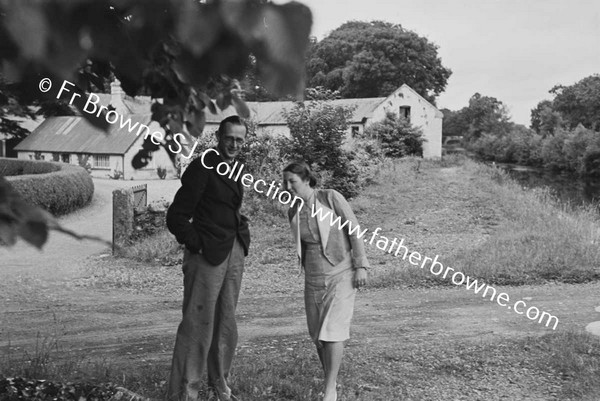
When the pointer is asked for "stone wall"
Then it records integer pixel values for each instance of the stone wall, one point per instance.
(132, 224)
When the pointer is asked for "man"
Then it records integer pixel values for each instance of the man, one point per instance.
(216, 241)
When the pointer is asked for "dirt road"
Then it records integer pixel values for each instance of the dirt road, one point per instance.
(45, 304)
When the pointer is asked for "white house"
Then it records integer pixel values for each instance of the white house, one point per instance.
(70, 139)
(404, 102)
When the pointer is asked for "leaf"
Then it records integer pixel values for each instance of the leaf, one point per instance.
(224, 100)
(34, 229)
(195, 119)
(240, 106)
(199, 26)
(26, 23)
(207, 101)
(278, 35)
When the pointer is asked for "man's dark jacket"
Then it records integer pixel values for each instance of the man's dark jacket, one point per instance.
(212, 202)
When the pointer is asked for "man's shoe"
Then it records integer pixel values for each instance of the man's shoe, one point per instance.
(224, 395)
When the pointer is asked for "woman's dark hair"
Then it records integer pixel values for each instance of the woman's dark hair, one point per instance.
(302, 170)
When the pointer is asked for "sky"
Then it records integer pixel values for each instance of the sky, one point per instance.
(513, 50)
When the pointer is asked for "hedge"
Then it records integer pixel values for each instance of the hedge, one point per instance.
(56, 187)
(25, 167)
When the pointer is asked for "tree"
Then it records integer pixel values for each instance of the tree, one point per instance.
(579, 103)
(370, 59)
(454, 123)
(12, 106)
(545, 120)
(398, 137)
(185, 52)
(486, 114)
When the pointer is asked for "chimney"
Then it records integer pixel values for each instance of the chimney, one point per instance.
(116, 97)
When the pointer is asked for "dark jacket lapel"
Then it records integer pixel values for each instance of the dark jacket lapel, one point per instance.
(214, 161)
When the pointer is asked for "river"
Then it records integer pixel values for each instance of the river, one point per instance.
(569, 188)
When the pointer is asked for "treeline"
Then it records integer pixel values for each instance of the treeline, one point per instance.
(564, 132)
(576, 150)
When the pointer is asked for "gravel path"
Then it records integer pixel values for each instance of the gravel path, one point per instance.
(62, 255)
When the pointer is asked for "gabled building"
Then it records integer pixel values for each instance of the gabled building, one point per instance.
(72, 139)
(404, 102)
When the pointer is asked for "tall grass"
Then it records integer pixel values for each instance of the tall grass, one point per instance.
(540, 240)
(534, 239)
(488, 227)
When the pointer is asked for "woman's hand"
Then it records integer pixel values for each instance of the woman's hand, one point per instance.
(360, 277)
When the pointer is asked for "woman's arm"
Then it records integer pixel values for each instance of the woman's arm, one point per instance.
(352, 229)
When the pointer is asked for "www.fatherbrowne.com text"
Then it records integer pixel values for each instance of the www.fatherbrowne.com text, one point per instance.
(436, 268)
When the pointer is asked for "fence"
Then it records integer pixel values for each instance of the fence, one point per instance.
(140, 196)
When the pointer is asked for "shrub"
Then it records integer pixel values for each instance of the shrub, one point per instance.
(318, 130)
(576, 145)
(9, 167)
(56, 187)
(83, 161)
(553, 153)
(161, 172)
(591, 163)
(367, 157)
(398, 136)
(115, 175)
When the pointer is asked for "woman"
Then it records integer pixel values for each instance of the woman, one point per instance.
(334, 262)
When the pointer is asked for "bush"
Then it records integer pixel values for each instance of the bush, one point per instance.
(367, 157)
(9, 167)
(591, 163)
(57, 187)
(83, 161)
(553, 153)
(318, 130)
(115, 175)
(398, 136)
(161, 172)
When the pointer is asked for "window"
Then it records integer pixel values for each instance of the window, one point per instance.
(101, 161)
(355, 129)
(405, 112)
(65, 157)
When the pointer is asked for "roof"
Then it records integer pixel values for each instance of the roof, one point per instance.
(272, 113)
(438, 113)
(74, 134)
(137, 105)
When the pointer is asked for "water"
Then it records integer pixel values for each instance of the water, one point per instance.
(569, 188)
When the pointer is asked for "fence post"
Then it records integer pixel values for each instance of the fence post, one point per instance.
(122, 226)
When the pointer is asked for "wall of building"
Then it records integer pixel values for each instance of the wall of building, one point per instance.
(160, 158)
(422, 114)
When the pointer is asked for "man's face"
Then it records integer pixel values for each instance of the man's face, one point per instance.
(231, 141)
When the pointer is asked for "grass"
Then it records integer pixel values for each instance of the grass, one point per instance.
(273, 368)
(477, 219)
(479, 222)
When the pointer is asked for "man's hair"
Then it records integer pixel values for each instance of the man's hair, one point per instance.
(236, 120)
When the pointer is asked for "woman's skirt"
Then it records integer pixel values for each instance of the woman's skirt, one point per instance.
(328, 296)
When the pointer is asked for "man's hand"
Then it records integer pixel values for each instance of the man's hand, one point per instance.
(360, 277)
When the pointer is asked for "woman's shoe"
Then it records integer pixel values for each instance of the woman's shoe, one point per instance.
(334, 399)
